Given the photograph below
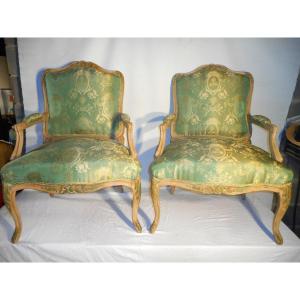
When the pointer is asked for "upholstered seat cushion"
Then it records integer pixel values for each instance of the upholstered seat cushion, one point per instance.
(72, 161)
(219, 161)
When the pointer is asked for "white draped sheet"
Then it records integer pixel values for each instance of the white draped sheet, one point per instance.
(97, 227)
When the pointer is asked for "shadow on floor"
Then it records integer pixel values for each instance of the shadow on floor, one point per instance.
(253, 212)
(119, 212)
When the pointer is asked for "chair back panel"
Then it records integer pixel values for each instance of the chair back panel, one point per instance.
(212, 100)
(82, 99)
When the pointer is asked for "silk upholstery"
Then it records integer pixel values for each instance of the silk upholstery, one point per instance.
(218, 161)
(212, 101)
(211, 133)
(72, 161)
(83, 100)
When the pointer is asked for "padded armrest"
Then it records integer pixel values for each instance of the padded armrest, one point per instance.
(261, 121)
(31, 120)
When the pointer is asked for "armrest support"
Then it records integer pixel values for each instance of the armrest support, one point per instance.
(20, 127)
(167, 122)
(272, 129)
(125, 120)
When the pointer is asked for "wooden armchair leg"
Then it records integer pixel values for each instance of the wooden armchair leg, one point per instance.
(172, 190)
(118, 188)
(136, 191)
(155, 200)
(10, 202)
(284, 198)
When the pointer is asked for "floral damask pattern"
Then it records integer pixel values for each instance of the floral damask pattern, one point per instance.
(73, 161)
(83, 101)
(212, 101)
(218, 161)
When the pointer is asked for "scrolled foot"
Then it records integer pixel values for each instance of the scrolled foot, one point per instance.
(16, 236)
(137, 226)
(153, 227)
(278, 238)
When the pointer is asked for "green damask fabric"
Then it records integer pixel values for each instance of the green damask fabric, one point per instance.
(71, 161)
(212, 101)
(218, 161)
(83, 100)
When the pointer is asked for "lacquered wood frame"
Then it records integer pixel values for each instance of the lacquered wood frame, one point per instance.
(52, 189)
(283, 192)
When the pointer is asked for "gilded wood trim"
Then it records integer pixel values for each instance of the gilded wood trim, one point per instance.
(70, 66)
(174, 95)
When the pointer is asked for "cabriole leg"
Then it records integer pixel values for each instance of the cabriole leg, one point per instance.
(284, 198)
(136, 191)
(10, 202)
(155, 200)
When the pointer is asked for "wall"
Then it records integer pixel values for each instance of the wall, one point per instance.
(148, 66)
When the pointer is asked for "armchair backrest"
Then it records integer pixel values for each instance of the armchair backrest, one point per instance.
(212, 101)
(82, 99)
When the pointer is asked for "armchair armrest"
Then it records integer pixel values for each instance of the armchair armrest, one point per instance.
(167, 122)
(20, 127)
(125, 120)
(266, 123)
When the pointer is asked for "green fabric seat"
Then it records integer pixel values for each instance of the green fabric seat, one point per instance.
(73, 161)
(219, 160)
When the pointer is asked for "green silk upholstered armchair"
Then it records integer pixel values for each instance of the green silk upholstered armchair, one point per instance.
(210, 150)
(83, 132)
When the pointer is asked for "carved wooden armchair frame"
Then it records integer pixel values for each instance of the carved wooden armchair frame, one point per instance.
(52, 189)
(282, 192)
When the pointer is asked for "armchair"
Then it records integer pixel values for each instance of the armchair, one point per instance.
(210, 150)
(83, 132)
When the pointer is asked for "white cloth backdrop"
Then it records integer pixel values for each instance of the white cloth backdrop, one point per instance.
(97, 227)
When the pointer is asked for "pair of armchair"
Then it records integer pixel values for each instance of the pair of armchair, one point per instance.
(84, 150)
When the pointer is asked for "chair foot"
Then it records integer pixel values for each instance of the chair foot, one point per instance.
(136, 191)
(10, 202)
(153, 227)
(156, 206)
(284, 198)
(51, 194)
(137, 226)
